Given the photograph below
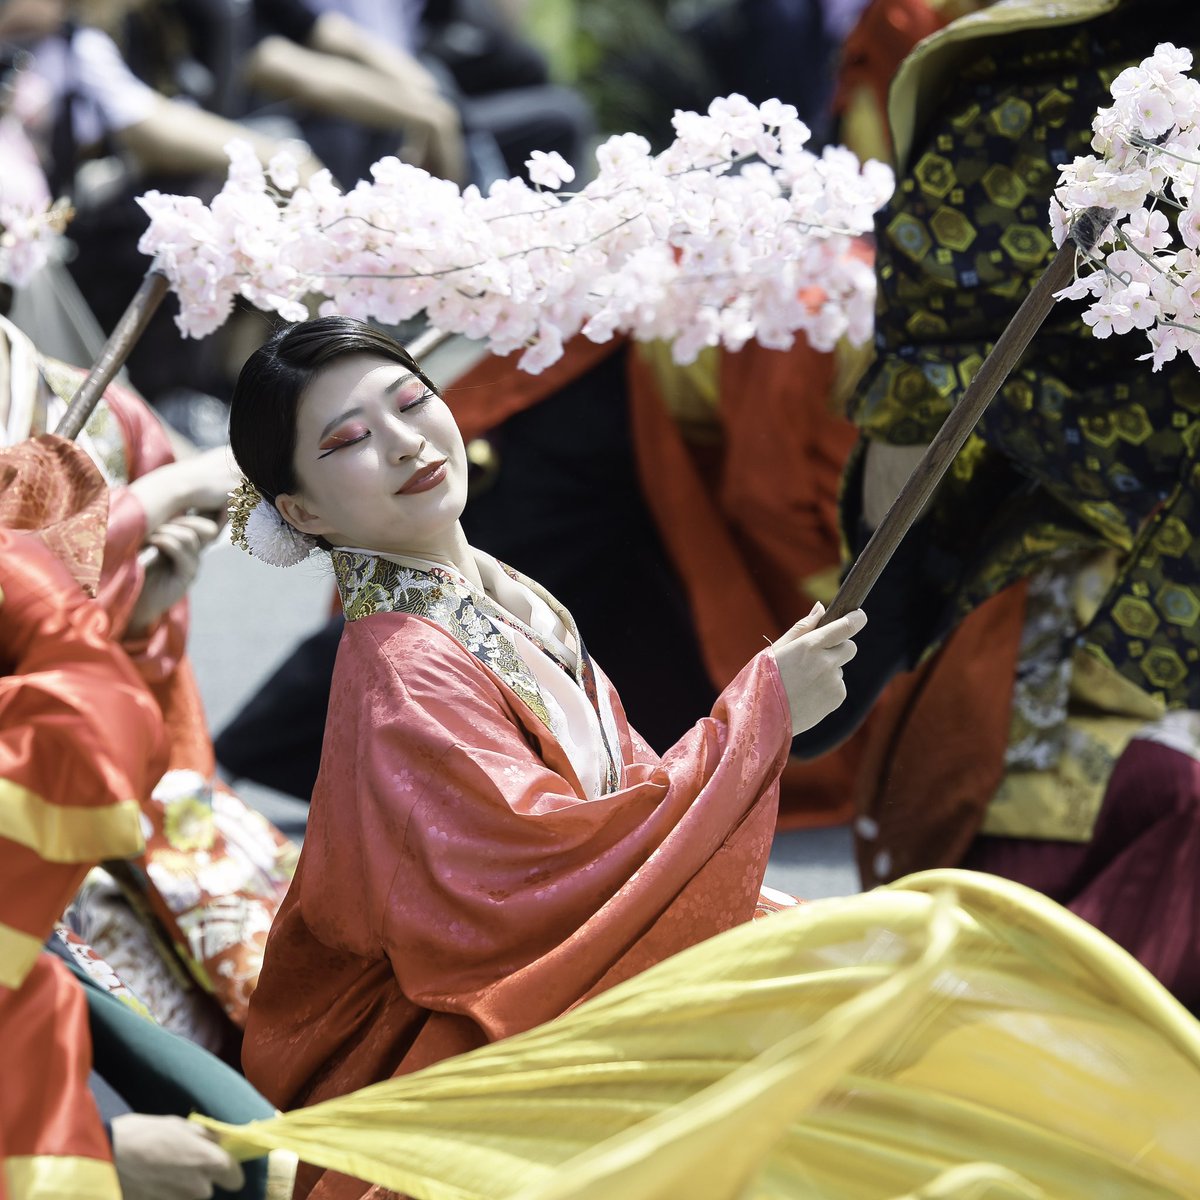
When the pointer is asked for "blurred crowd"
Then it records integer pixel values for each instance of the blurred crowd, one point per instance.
(123, 98)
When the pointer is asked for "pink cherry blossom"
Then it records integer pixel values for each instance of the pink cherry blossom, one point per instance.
(1145, 274)
(711, 242)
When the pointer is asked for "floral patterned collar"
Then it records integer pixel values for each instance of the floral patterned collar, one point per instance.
(369, 583)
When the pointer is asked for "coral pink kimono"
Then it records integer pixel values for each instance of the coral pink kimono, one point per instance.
(458, 882)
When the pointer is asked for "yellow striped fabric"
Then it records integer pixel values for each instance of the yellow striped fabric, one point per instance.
(60, 1177)
(63, 833)
(18, 953)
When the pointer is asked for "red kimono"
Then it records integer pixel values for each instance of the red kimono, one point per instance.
(457, 884)
(80, 744)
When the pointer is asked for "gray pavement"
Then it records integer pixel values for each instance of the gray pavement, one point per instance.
(246, 617)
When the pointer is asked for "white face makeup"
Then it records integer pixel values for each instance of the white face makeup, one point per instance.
(379, 461)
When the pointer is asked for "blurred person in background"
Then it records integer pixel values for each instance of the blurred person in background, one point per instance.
(104, 137)
(80, 740)
(1036, 626)
(96, 1091)
(449, 85)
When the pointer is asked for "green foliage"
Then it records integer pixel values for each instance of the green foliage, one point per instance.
(633, 59)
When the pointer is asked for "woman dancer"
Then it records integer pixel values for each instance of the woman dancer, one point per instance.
(489, 842)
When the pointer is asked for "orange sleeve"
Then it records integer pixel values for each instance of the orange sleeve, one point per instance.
(52, 1142)
(80, 744)
(496, 388)
(924, 794)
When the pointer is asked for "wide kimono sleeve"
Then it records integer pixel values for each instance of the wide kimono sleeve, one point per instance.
(52, 1142)
(80, 745)
(462, 844)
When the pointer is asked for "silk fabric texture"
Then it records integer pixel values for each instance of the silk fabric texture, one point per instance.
(952, 1035)
(456, 886)
(80, 743)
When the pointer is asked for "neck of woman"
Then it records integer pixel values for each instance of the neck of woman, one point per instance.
(454, 552)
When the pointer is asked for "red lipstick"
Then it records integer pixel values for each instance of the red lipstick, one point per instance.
(424, 479)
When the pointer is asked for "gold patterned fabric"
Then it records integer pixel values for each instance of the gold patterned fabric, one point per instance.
(1072, 716)
(369, 584)
(1084, 448)
(50, 486)
(101, 436)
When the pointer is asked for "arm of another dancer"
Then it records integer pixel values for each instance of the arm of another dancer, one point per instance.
(344, 72)
(80, 744)
(144, 604)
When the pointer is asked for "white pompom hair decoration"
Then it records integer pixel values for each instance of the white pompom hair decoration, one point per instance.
(256, 526)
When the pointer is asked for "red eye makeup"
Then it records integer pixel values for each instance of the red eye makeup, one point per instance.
(411, 391)
(346, 435)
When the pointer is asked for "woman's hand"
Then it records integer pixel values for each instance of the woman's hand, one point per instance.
(810, 663)
(180, 543)
(202, 482)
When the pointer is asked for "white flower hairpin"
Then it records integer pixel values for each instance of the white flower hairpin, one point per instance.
(256, 526)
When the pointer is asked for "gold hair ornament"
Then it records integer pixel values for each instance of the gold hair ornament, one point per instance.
(256, 526)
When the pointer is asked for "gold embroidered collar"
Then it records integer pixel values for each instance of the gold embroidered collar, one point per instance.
(369, 583)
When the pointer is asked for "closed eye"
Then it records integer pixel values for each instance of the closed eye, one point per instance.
(342, 439)
(408, 405)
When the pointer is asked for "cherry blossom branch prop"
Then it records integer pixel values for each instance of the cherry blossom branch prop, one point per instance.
(949, 440)
(121, 341)
(1144, 273)
(727, 235)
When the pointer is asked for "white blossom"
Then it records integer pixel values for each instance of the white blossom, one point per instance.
(29, 223)
(713, 241)
(1145, 274)
(549, 169)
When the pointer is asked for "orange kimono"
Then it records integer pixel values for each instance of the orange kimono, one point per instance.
(80, 744)
(458, 883)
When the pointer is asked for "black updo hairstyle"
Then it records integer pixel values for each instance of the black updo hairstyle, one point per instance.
(262, 414)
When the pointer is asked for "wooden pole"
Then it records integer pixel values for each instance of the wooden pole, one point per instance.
(949, 440)
(116, 350)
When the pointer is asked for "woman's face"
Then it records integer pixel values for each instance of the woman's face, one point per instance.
(379, 461)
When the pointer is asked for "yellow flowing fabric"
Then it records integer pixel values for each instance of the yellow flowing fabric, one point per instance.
(953, 1035)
